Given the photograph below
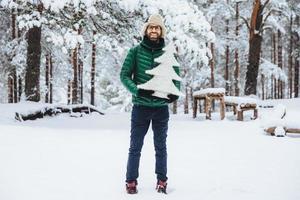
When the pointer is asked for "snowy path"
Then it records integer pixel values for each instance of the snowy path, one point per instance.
(66, 158)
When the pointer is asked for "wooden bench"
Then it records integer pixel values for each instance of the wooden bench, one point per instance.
(208, 95)
(241, 104)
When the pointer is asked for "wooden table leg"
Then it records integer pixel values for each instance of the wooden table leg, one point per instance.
(200, 107)
(222, 108)
(234, 110)
(255, 113)
(195, 108)
(207, 107)
(240, 115)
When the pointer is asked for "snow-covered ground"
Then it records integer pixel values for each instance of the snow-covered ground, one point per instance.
(64, 158)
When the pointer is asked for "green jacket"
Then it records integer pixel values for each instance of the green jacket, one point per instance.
(139, 59)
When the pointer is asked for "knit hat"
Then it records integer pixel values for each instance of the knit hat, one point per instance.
(155, 19)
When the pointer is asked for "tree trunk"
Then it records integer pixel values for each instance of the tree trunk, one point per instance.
(191, 97)
(51, 79)
(252, 68)
(212, 65)
(297, 57)
(12, 76)
(10, 84)
(275, 88)
(186, 101)
(47, 79)
(14, 71)
(93, 70)
(20, 88)
(273, 85)
(236, 54)
(80, 66)
(76, 73)
(13, 23)
(263, 86)
(15, 85)
(280, 65)
(32, 76)
(75, 77)
(290, 78)
(175, 107)
(80, 70)
(226, 77)
(255, 40)
(69, 91)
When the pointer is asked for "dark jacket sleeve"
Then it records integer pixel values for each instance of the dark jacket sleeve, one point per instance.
(127, 71)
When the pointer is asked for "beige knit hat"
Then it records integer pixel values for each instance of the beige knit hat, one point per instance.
(155, 19)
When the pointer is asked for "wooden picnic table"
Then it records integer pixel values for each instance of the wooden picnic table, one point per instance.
(208, 98)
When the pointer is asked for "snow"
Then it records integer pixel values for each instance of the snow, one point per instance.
(279, 131)
(279, 111)
(85, 158)
(240, 100)
(280, 117)
(72, 39)
(269, 70)
(209, 91)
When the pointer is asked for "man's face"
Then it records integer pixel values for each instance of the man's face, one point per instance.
(153, 32)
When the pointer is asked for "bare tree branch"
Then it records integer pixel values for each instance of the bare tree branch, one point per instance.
(246, 22)
(263, 7)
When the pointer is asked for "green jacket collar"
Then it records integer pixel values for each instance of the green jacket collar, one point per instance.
(147, 43)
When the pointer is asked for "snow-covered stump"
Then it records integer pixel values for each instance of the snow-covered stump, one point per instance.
(278, 125)
(54, 110)
(275, 124)
(241, 104)
(208, 95)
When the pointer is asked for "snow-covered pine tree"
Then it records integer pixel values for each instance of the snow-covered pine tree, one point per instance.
(164, 74)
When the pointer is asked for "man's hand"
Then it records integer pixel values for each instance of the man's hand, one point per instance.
(172, 98)
(145, 93)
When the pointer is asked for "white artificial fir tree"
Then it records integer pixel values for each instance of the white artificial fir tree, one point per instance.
(164, 74)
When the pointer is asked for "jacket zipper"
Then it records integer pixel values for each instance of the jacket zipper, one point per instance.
(152, 53)
(152, 58)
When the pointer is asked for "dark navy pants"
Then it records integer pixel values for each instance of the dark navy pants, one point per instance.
(141, 117)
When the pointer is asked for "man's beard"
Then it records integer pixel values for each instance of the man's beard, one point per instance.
(154, 38)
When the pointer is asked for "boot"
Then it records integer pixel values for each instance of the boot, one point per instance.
(131, 187)
(161, 186)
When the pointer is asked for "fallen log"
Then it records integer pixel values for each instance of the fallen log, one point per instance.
(293, 130)
(54, 110)
(271, 130)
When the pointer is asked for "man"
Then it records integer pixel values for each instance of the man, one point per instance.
(147, 108)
